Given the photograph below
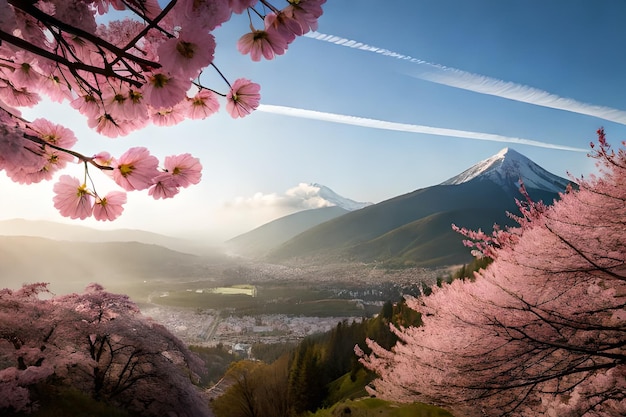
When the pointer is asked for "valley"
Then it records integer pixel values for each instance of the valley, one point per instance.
(298, 275)
(272, 304)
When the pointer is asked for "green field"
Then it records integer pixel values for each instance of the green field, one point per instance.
(275, 299)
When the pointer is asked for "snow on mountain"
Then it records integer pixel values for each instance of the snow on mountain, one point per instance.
(335, 199)
(506, 168)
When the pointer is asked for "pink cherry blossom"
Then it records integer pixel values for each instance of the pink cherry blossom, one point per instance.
(136, 107)
(25, 73)
(75, 13)
(7, 18)
(25, 76)
(306, 12)
(72, 199)
(25, 176)
(202, 105)
(185, 169)
(150, 7)
(168, 116)
(165, 90)
(56, 88)
(53, 161)
(284, 25)
(164, 186)
(186, 55)
(202, 14)
(21, 97)
(18, 156)
(87, 105)
(135, 169)
(115, 104)
(104, 159)
(537, 331)
(106, 125)
(239, 6)
(53, 133)
(88, 342)
(243, 98)
(262, 43)
(109, 207)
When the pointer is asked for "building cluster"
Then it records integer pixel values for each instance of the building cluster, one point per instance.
(208, 328)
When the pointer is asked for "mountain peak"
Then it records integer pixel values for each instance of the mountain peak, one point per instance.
(506, 168)
(336, 200)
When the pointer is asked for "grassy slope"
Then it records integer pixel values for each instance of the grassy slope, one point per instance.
(429, 241)
(259, 241)
(347, 394)
(366, 407)
(410, 230)
(359, 228)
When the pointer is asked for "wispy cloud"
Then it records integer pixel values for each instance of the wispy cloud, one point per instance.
(403, 127)
(457, 78)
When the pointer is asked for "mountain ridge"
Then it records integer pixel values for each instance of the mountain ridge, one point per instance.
(393, 230)
(79, 233)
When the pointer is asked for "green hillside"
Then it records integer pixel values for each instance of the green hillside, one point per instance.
(411, 230)
(429, 241)
(259, 241)
(70, 266)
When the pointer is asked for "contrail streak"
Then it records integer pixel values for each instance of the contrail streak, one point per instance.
(457, 78)
(403, 127)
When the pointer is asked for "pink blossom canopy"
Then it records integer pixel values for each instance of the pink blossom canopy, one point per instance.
(123, 72)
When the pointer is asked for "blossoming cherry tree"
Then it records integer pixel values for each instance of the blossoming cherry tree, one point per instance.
(541, 330)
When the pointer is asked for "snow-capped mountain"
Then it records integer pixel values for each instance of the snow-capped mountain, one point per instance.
(415, 228)
(337, 200)
(506, 168)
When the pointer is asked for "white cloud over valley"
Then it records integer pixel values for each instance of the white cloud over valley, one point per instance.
(301, 197)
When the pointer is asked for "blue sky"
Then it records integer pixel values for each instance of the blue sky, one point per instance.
(481, 67)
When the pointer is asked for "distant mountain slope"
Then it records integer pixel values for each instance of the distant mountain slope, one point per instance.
(260, 241)
(69, 266)
(415, 228)
(421, 241)
(78, 233)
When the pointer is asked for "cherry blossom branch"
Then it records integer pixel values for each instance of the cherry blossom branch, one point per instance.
(75, 154)
(45, 18)
(606, 270)
(72, 65)
(269, 6)
(221, 75)
(152, 24)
